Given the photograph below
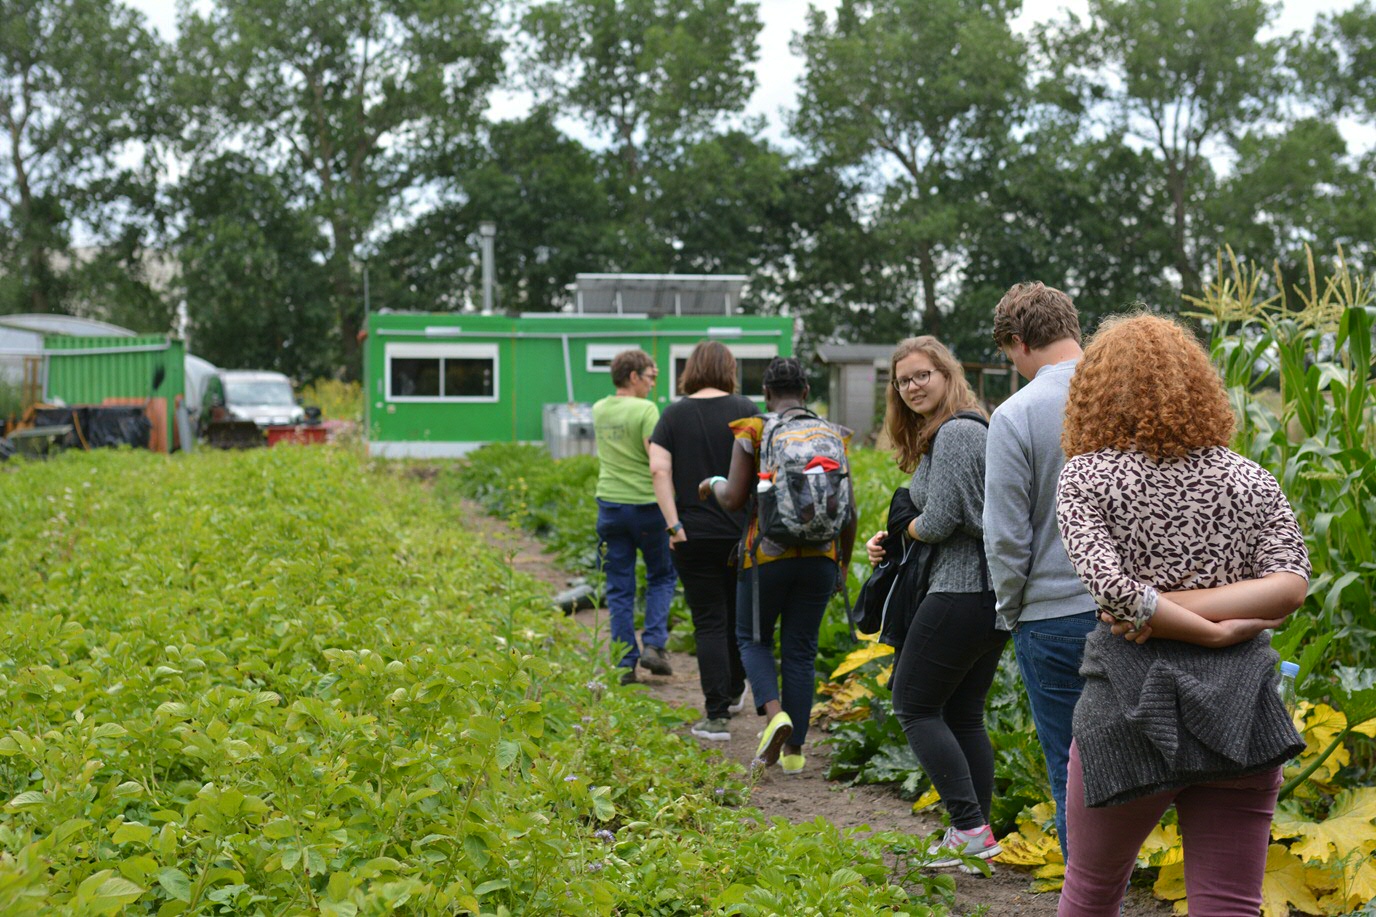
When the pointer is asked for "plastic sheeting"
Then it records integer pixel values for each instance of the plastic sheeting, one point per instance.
(97, 426)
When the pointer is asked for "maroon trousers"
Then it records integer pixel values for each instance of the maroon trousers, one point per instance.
(1225, 828)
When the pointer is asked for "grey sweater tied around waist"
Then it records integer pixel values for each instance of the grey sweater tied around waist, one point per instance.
(1166, 714)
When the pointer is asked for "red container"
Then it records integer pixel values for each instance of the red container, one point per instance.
(299, 434)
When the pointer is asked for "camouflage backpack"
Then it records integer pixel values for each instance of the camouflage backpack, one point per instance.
(804, 459)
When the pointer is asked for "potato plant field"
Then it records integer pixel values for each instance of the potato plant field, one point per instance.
(293, 681)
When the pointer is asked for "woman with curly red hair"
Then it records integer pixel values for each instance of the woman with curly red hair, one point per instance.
(1191, 552)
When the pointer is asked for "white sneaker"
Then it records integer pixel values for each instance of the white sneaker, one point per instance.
(715, 730)
(979, 842)
(738, 704)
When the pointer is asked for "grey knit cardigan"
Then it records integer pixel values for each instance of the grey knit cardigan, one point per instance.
(1177, 714)
(1166, 714)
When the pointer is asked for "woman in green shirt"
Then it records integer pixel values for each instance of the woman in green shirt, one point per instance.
(628, 518)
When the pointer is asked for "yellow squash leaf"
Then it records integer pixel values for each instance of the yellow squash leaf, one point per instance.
(1321, 724)
(1170, 883)
(1348, 827)
(927, 800)
(844, 701)
(1029, 846)
(1161, 848)
(860, 656)
(1284, 885)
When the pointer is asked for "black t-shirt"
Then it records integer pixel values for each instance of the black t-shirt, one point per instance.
(697, 432)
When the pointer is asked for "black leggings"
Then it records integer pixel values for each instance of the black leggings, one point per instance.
(942, 676)
(709, 588)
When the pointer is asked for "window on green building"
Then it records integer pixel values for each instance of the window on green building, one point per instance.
(442, 372)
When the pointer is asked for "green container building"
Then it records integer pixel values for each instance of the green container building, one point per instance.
(442, 384)
(101, 370)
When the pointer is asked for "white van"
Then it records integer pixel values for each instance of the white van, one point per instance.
(266, 398)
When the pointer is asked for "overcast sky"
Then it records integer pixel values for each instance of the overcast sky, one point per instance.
(778, 69)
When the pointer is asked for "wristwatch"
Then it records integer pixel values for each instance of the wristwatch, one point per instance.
(676, 527)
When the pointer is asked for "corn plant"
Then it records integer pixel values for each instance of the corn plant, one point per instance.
(1298, 366)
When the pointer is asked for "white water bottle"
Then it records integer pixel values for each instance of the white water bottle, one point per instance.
(1289, 671)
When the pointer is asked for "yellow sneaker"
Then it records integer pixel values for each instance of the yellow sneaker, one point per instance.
(792, 764)
(773, 738)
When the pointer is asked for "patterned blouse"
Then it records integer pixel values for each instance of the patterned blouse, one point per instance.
(1168, 713)
(1133, 526)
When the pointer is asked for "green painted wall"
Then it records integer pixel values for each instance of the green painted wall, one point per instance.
(88, 370)
(531, 366)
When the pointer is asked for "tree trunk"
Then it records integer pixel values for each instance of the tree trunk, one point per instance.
(926, 266)
(348, 307)
(1177, 180)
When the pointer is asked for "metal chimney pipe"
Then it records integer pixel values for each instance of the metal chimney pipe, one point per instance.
(487, 232)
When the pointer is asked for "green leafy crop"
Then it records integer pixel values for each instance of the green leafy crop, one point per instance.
(291, 681)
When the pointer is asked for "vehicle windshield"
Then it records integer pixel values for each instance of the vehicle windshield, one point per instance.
(271, 394)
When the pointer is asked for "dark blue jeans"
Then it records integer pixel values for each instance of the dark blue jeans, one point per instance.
(1049, 654)
(623, 529)
(940, 681)
(793, 593)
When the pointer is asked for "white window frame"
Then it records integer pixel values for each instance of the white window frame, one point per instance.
(440, 352)
(739, 351)
(602, 352)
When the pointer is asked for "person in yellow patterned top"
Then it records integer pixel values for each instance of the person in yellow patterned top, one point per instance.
(795, 584)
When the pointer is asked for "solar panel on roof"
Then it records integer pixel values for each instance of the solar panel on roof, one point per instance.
(658, 294)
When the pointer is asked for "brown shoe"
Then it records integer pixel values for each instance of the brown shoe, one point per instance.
(656, 661)
(628, 677)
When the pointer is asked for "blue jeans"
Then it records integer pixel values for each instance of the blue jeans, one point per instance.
(1049, 654)
(623, 529)
(794, 593)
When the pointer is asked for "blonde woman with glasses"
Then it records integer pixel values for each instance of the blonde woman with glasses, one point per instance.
(949, 651)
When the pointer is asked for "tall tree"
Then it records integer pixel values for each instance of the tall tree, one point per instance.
(1298, 187)
(1183, 76)
(914, 93)
(644, 72)
(76, 91)
(1345, 47)
(252, 272)
(1079, 212)
(354, 94)
(550, 199)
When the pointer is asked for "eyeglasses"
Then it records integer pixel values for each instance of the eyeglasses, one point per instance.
(916, 380)
(651, 376)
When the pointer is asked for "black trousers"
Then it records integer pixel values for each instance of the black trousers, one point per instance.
(709, 587)
(940, 682)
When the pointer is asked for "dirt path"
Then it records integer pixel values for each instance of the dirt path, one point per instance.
(808, 796)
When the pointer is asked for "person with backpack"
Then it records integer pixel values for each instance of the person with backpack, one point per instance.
(794, 469)
(951, 645)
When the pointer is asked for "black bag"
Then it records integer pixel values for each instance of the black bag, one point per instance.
(890, 596)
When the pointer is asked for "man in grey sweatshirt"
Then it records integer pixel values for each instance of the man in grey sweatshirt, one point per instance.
(1039, 596)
